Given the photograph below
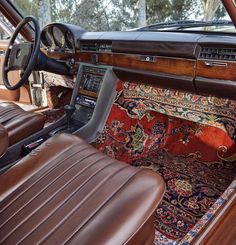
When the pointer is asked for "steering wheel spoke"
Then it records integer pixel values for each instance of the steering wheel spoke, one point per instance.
(21, 56)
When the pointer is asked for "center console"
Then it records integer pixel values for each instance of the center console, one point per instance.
(92, 98)
(90, 85)
(87, 92)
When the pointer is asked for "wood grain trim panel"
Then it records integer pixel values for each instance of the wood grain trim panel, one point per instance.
(227, 72)
(175, 66)
(169, 65)
(161, 64)
(88, 93)
(57, 56)
(103, 59)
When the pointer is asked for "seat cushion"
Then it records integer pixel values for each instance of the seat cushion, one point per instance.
(4, 140)
(67, 191)
(19, 123)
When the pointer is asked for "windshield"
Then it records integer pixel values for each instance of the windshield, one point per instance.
(116, 15)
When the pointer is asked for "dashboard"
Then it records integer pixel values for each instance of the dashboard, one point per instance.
(202, 63)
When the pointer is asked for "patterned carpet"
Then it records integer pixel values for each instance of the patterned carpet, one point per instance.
(192, 188)
(53, 115)
(57, 97)
(196, 160)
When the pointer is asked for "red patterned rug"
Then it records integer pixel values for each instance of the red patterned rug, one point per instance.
(53, 115)
(195, 160)
(57, 97)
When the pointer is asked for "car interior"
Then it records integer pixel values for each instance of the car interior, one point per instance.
(120, 137)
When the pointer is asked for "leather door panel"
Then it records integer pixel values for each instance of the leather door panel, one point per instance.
(13, 77)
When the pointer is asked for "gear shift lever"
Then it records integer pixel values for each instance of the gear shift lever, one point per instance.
(69, 109)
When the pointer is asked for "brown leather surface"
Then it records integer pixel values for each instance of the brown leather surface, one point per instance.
(25, 96)
(68, 192)
(9, 95)
(13, 76)
(19, 123)
(4, 140)
(22, 94)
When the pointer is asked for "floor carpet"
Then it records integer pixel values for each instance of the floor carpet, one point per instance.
(195, 160)
(192, 188)
(57, 97)
(53, 115)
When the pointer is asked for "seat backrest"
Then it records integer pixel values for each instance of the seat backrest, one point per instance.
(4, 140)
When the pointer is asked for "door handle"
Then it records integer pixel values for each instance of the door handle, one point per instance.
(215, 63)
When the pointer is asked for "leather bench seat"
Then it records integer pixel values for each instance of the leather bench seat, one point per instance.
(68, 192)
(19, 123)
(4, 141)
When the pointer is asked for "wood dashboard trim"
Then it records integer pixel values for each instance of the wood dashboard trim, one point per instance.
(88, 93)
(227, 72)
(175, 66)
(170, 65)
(57, 56)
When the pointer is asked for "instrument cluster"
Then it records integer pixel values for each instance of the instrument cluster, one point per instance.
(57, 38)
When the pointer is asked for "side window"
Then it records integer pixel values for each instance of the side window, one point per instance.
(5, 28)
(3, 34)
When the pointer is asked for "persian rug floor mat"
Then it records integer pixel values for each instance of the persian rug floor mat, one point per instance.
(53, 115)
(196, 160)
(192, 188)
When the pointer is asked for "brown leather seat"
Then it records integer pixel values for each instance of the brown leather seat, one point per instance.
(68, 192)
(4, 140)
(19, 123)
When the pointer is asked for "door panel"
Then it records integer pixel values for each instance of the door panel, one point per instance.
(13, 76)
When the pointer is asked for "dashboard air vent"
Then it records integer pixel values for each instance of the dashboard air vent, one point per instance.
(96, 47)
(218, 53)
(89, 47)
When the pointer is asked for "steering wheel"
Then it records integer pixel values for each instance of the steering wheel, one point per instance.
(21, 56)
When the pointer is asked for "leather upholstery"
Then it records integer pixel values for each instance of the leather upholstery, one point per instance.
(68, 192)
(4, 141)
(13, 76)
(19, 123)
